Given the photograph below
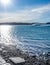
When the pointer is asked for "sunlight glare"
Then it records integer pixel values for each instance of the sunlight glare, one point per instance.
(5, 29)
(5, 33)
(5, 2)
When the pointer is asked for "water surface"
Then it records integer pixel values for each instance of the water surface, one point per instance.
(28, 38)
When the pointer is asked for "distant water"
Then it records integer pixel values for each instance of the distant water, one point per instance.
(28, 38)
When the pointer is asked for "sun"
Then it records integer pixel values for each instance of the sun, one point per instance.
(5, 2)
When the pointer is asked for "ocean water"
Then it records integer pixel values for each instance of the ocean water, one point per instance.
(28, 38)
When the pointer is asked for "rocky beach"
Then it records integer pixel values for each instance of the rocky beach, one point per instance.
(11, 51)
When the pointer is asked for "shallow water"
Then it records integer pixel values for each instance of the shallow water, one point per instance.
(28, 38)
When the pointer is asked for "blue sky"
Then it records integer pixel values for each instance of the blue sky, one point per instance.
(25, 11)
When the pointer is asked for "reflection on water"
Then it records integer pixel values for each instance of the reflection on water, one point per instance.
(5, 34)
(31, 39)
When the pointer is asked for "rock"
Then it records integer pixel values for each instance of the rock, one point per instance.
(17, 60)
(3, 62)
(48, 62)
(0, 49)
(4, 51)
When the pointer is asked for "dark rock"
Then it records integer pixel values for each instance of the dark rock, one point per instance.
(48, 62)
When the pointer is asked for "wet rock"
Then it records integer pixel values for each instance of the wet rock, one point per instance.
(17, 60)
(48, 62)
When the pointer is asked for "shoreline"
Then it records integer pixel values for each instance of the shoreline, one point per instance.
(23, 23)
(11, 51)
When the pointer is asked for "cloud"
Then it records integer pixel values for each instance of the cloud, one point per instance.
(26, 15)
(42, 9)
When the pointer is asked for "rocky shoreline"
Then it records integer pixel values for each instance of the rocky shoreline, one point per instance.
(11, 51)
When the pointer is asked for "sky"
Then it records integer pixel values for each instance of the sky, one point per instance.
(25, 11)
